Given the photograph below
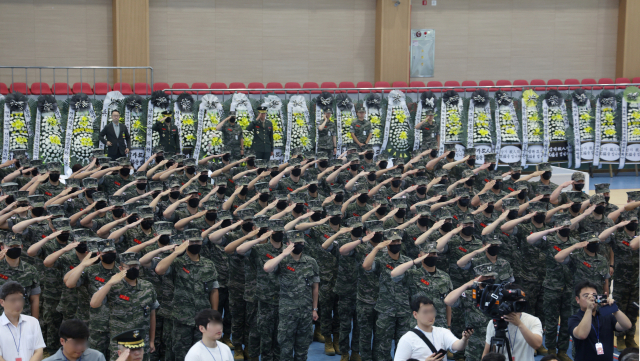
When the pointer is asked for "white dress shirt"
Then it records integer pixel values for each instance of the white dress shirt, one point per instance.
(412, 346)
(22, 341)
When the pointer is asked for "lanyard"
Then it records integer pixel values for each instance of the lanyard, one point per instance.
(14, 338)
(214, 359)
(598, 330)
(514, 337)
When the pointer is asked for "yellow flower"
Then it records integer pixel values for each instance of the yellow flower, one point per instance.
(348, 121)
(585, 116)
(610, 132)
(137, 124)
(84, 123)
(454, 117)
(86, 142)
(588, 130)
(530, 97)
(510, 131)
(608, 117)
(304, 141)
(401, 116)
(607, 109)
(483, 132)
(187, 121)
(454, 131)
(54, 139)
(482, 116)
(635, 115)
(247, 143)
(84, 117)
(300, 122)
(558, 133)
(190, 137)
(374, 119)
(138, 138)
(52, 121)
(277, 136)
(18, 124)
(635, 132)
(403, 135)
(376, 133)
(537, 131)
(121, 119)
(482, 124)
(244, 122)
(506, 116)
(276, 128)
(557, 117)
(534, 117)
(215, 141)
(21, 140)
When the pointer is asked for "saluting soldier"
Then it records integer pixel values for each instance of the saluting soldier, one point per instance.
(262, 135)
(232, 133)
(168, 133)
(131, 345)
(12, 268)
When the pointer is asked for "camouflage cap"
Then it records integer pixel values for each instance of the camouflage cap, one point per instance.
(545, 167)
(629, 216)
(442, 214)
(632, 196)
(368, 148)
(261, 221)
(280, 196)
(362, 188)
(130, 258)
(190, 189)
(597, 199)
(220, 181)
(93, 244)
(273, 163)
(35, 162)
(468, 173)
(117, 201)
(9, 187)
(486, 270)
(210, 205)
(462, 192)
(510, 204)
(354, 222)
(223, 214)
(112, 164)
(177, 239)
(297, 198)
(72, 183)
(123, 162)
(392, 234)
(575, 196)
(544, 189)
(130, 208)
(449, 147)
(97, 153)
(53, 167)
(336, 162)
(249, 153)
(439, 189)
(602, 188)
(104, 161)
(492, 238)
(82, 234)
(262, 187)
(99, 197)
(333, 210)
(260, 164)
(374, 226)
(466, 218)
(145, 212)
(486, 197)
(107, 246)
(90, 183)
(276, 225)
(380, 199)
(179, 158)
(395, 173)
(163, 227)
(315, 205)
(423, 209)
(562, 220)
(140, 176)
(295, 236)
(383, 157)
(470, 151)
(246, 214)
(422, 181)
(21, 196)
(420, 164)
(55, 210)
(353, 157)
(309, 154)
(336, 188)
(158, 149)
(189, 162)
(540, 207)
(156, 186)
(173, 182)
(242, 181)
(295, 161)
(192, 234)
(429, 248)
(577, 176)
(351, 148)
(515, 167)
(61, 224)
(321, 155)
(522, 185)
(169, 155)
(399, 202)
(441, 173)
(297, 151)
(370, 168)
(490, 157)
(13, 239)
(36, 201)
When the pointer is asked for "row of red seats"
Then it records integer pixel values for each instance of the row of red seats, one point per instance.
(467, 85)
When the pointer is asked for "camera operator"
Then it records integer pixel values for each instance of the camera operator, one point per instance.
(524, 332)
(592, 328)
(413, 345)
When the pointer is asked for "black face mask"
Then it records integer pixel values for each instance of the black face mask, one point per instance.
(464, 202)
(451, 155)
(141, 186)
(23, 204)
(599, 210)
(54, 177)
(545, 200)
(578, 186)
(513, 214)
(193, 202)
(442, 199)
(335, 220)
(10, 200)
(564, 232)
(522, 194)
(443, 181)
(498, 185)
(221, 190)
(357, 232)
(63, 237)
(492, 167)
(396, 183)
(313, 188)
(264, 197)
(368, 155)
(274, 173)
(363, 198)
(296, 172)
(167, 120)
(515, 176)
(383, 164)
(203, 177)
(469, 182)
(377, 238)
(14, 253)
(298, 248)
(118, 212)
(194, 248)
(226, 157)
(281, 205)
(433, 153)
(493, 250)
(191, 170)
(81, 248)
(421, 190)
(546, 175)
(575, 208)
(132, 219)
(316, 216)
(170, 163)
(226, 223)
(401, 213)
(468, 230)
(132, 273)
(423, 221)
(489, 208)
(89, 192)
(339, 197)
(371, 177)
(262, 231)
(471, 162)
(421, 174)
(211, 216)
(247, 226)
(539, 218)
(353, 167)
(159, 158)
(174, 194)
(394, 248)
(38, 212)
(299, 208)
(631, 226)
(101, 205)
(430, 261)
(146, 224)
(606, 199)
(124, 172)
(154, 194)
(323, 164)
(446, 227)
(277, 236)
(164, 239)
(593, 247)
(251, 162)
(244, 191)
(108, 258)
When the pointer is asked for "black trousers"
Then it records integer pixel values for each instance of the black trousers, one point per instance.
(117, 154)
(263, 155)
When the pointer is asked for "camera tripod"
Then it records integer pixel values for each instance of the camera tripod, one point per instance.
(500, 340)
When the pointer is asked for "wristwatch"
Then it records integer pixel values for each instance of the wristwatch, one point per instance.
(315, 309)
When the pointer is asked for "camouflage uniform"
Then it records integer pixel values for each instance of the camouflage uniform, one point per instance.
(361, 129)
(430, 131)
(112, 183)
(585, 267)
(238, 306)
(593, 225)
(475, 319)
(69, 304)
(49, 190)
(25, 274)
(625, 275)
(232, 133)
(325, 136)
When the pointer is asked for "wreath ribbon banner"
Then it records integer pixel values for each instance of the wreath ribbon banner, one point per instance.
(623, 143)
(417, 133)
(396, 99)
(178, 120)
(7, 133)
(546, 139)
(150, 120)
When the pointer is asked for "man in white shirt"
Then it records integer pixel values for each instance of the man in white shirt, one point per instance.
(524, 332)
(20, 335)
(209, 322)
(412, 346)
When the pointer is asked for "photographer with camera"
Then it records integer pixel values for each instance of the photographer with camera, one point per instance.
(592, 328)
(524, 330)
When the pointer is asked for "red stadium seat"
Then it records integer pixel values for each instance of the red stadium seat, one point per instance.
(275, 86)
(82, 88)
(19, 87)
(101, 88)
(348, 85)
(124, 88)
(556, 82)
(519, 82)
(401, 84)
(622, 81)
(572, 82)
(160, 86)
(200, 86)
(635, 80)
(469, 84)
(255, 85)
(238, 85)
(503, 83)
(434, 83)
(291, 87)
(589, 84)
(312, 85)
(61, 89)
(218, 86)
(607, 81)
(418, 84)
(488, 83)
(40, 89)
(330, 84)
(175, 86)
(539, 82)
(142, 89)
(3, 89)
(383, 84)
(365, 84)
(453, 83)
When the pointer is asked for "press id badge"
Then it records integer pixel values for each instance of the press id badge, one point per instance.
(599, 348)
(329, 132)
(364, 132)
(236, 137)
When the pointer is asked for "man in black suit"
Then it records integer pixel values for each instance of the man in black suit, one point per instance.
(117, 137)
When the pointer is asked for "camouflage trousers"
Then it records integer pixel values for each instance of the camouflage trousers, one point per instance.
(167, 338)
(50, 323)
(239, 325)
(557, 304)
(159, 342)
(475, 347)
(267, 320)
(367, 316)
(348, 322)
(389, 328)
(457, 326)
(185, 336)
(254, 335)
(99, 341)
(624, 295)
(295, 333)
(225, 311)
(534, 292)
(328, 307)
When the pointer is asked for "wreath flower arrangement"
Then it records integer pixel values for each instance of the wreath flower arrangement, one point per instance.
(18, 123)
(373, 108)
(242, 117)
(481, 118)
(452, 109)
(633, 121)
(299, 132)
(398, 118)
(556, 116)
(506, 115)
(187, 123)
(535, 130)
(212, 138)
(274, 115)
(82, 138)
(585, 117)
(50, 144)
(608, 117)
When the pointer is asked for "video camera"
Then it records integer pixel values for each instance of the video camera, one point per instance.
(496, 301)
